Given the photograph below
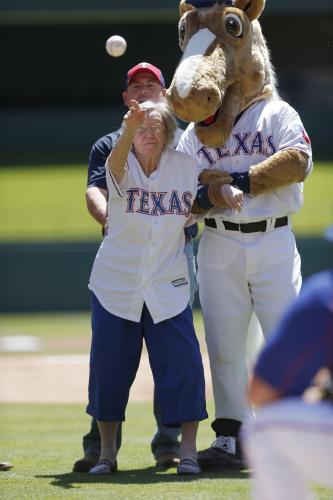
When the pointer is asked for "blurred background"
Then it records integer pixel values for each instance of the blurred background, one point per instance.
(60, 91)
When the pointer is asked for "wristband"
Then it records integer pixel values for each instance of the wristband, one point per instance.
(202, 198)
(241, 180)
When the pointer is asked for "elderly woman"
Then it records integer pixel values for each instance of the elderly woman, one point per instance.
(140, 286)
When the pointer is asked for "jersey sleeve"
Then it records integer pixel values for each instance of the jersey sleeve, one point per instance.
(290, 133)
(186, 142)
(97, 159)
(302, 342)
(118, 189)
(114, 188)
(176, 138)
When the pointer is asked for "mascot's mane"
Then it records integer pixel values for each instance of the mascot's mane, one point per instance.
(260, 49)
(225, 66)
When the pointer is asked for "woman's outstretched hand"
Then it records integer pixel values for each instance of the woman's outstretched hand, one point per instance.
(135, 116)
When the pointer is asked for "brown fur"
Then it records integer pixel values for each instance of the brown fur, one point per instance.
(184, 7)
(218, 133)
(209, 175)
(215, 180)
(214, 193)
(252, 8)
(233, 73)
(281, 169)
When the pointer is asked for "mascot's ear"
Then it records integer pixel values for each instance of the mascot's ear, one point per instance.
(252, 8)
(184, 7)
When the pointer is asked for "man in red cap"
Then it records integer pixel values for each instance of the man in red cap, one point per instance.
(145, 68)
(144, 81)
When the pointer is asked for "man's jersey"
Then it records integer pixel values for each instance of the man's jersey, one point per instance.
(303, 341)
(97, 159)
(141, 259)
(264, 128)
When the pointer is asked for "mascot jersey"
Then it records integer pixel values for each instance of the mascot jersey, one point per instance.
(142, 260)
(267, 126)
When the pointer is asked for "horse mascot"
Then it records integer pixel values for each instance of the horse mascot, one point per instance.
(243, 134)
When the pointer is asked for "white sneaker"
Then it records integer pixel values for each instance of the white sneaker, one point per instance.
(225, 443)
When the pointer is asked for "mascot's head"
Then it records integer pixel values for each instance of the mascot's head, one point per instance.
(224, 68)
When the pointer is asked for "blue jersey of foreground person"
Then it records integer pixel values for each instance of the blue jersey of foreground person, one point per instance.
(303, 341)
(290, 443)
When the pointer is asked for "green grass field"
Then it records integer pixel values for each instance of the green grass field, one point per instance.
(48, 203)
(43, 441)
(64, 333)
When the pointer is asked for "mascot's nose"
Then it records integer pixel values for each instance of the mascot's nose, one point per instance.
(200, 103)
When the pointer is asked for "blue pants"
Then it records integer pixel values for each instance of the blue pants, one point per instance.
(174, 357)
(165, 439)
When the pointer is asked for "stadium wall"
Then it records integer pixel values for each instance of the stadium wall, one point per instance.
(54, 277)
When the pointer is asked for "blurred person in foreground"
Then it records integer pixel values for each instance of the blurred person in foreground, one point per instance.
(291, 441)
(140, 286)
(143, 81)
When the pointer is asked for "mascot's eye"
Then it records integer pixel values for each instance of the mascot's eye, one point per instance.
(233, 25)
(182, 31)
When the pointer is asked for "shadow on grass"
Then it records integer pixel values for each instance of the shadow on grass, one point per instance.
(148, 475)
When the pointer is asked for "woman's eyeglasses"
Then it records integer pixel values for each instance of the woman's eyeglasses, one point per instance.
(155, 129)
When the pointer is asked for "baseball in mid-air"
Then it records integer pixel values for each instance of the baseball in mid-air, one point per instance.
(116, 46)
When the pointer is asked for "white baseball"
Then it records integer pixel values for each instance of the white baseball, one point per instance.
(116, 46)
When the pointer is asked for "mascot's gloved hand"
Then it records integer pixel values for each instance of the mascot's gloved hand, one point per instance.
(210, 196)
(209, 175)
(215, 195)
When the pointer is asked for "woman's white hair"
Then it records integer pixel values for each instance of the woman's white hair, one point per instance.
(162, 107)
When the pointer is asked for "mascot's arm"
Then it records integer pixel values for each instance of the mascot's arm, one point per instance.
(281, 169)
(197, 209)
(210, 195)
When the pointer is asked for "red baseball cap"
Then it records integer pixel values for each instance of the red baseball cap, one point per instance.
(145, 67)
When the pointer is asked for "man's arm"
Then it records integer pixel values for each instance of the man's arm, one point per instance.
(96, 199)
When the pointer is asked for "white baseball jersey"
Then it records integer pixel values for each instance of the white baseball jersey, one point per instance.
(266, 127)
(142, 260)
(287, 446)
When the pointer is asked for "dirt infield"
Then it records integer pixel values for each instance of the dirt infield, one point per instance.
(64, 379)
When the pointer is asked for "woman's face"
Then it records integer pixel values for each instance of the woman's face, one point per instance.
(150, 138)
